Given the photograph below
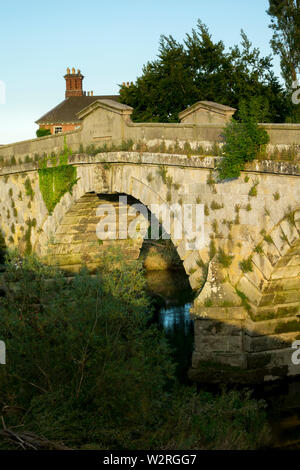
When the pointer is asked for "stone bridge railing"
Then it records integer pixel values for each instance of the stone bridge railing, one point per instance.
(105, 122)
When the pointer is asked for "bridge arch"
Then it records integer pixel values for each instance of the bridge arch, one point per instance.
(69, 236)
(242, 225)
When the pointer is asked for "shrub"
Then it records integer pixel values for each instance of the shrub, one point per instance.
(244, 140)
(86, 367)
(43, 132)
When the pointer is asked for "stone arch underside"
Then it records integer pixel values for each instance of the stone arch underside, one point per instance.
(72, 226)
(75, 242)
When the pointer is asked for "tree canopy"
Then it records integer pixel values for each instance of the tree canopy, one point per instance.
(285, 22)
(201, 69)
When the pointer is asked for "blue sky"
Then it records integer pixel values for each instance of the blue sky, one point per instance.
(108, 41)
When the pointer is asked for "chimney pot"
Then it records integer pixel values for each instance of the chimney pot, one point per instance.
(123, 83)
(92, 93)
(68, 71)
(127, 84)
(73, 70)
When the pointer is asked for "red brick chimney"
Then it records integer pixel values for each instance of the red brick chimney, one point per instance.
(73, 83)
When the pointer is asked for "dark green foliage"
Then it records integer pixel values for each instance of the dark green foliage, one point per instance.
(43, 132)
(86, 367)
(201, 69)
(285, 22)
(244, 140)
(2, 248)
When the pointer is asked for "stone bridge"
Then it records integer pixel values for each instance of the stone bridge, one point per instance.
(246, 275)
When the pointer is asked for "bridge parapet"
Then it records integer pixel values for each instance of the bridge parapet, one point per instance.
(110, 124)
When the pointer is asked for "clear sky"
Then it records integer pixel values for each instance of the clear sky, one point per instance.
(109, 41)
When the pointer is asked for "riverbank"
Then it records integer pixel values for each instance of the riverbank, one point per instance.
(88, 368)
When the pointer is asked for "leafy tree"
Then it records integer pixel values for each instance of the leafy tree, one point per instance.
(243, 140)
(42, 132)
(201, 69)
(285, 22)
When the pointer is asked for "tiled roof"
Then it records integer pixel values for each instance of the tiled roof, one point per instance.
(65, 112)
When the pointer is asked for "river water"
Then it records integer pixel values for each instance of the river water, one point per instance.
(172, 298)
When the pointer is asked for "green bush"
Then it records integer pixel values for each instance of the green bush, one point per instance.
(86, 367)
(244, 140)
(43, 132)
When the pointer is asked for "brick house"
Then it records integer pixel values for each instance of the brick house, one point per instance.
(63, 117)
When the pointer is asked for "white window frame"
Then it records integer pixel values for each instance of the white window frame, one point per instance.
(55, 129)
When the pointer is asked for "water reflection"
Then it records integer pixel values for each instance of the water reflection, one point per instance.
(176, 317)
(172, 296)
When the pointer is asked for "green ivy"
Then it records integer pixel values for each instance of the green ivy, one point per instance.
(57, 180)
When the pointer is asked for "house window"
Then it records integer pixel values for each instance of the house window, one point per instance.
(57, 130)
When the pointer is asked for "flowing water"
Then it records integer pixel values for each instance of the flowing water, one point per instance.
(173, 297)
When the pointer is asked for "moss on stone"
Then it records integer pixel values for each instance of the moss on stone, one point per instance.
(287, 327)
(55, 182)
